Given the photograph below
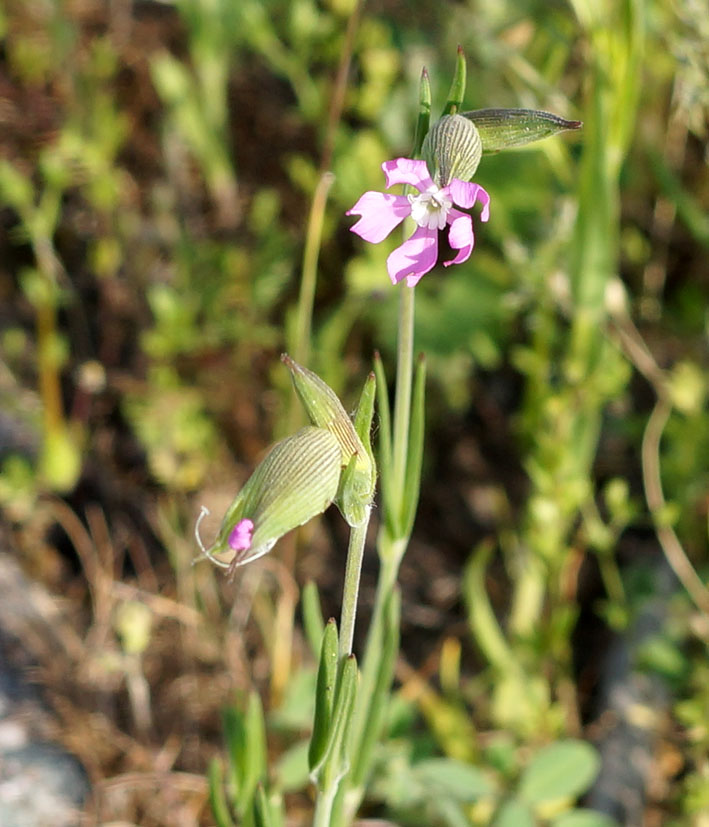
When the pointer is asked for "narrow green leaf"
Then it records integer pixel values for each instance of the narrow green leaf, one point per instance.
(254, 769)
(507, 128)
(483, 623)
(233, 725)
(564, 769)
(457, 90)
(324, 695)
(336, 761)
(262, 809)
(414, 459)
(424, 117)
(313, 620)
(389, 506)
(217, 796)
(378, 704)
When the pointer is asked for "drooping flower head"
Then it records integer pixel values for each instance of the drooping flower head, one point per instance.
(432, 209)
(303, 474)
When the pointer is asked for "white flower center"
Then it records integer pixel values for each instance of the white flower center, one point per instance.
(430, 208)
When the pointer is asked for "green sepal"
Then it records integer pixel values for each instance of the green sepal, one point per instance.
(365, 413)
(354, 495)
(375, 715)
(313, 621)
(324, 695)
(356, 489)
(457, 90)
(424, 118)
(414, 457)
(508, 128)
(336, 761)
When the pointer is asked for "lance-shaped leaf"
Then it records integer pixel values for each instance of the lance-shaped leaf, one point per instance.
(457, 90)
(389, 499)
(324, 696)
(424, 117)
(508, 128)
(313, 621)
(296, 481)
(336, 760)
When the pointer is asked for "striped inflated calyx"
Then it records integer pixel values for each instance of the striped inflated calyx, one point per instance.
(452, 149)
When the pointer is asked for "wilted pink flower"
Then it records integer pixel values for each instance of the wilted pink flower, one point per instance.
(240, 535)
(431, 209)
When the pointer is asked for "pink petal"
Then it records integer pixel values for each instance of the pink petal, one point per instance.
(460, 237)
(407, 171)
(380, 212)
(465, 194)
(414, 258)
(240, 535)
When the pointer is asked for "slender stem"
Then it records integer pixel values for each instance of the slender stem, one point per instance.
(652, 480)
(350, 591)
(323, 807)
(337, 101)
(402, 402)
(313, 237)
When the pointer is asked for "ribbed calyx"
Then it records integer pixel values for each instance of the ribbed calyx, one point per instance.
(296, 481)
(452, 149)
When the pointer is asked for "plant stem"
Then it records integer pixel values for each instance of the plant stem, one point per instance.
(402, 402)
(350, 591)
(323, 806)
(313, 238)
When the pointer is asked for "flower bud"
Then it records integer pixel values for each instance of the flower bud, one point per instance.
(507, 128)
(296, 481)
(452, 149)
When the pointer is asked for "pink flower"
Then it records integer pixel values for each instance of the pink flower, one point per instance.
(240, 535)
(432, 209)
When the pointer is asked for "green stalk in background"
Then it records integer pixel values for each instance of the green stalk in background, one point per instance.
(570, 415)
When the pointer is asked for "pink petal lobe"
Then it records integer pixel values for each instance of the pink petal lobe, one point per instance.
(465, 194)
(414, 258)
(484, 199)
(407, 171)
(240, 535)
(460, 237)
(380, 212)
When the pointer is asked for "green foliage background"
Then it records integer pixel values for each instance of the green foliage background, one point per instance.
(158, 163)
